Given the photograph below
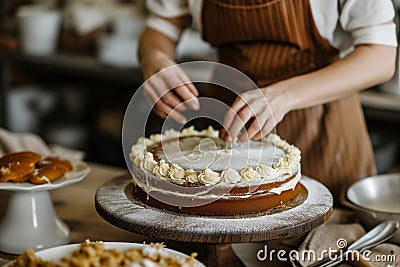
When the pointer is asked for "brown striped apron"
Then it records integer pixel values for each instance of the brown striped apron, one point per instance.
(271, 40)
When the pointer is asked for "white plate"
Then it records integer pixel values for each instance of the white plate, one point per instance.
(57, 253)
(80, 170)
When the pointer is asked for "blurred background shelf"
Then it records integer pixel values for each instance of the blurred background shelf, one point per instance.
(87, 67)
(381, 106)
(88, 100)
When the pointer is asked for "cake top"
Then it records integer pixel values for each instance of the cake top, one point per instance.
(192, 156)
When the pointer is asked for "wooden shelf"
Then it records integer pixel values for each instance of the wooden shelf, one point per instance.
(88, 67)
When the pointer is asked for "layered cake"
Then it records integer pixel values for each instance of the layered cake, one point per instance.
(195, 172)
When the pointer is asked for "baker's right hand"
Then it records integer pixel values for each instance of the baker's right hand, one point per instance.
(168, 90)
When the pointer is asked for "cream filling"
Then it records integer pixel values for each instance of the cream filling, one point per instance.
(286, 186)
(204, 195)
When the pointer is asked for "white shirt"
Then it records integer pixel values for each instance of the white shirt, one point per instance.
(358, 22)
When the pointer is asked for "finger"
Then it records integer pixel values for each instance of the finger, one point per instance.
(222, 133)
(232, 112)
(160, 87)
(172, 100)
(165, 108)
(155, 110)
(188, 83)
(155, 98)
(239, 122)
(160, 113)
(255, 127)
(188, 97)
(173, 113)
(184, 88)
(267, 128)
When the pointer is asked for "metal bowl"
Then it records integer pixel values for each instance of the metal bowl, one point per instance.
(375, 199)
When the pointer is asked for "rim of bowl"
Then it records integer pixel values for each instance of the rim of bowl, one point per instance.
(364, 180)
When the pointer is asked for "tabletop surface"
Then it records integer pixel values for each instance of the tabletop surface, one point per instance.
(74, 204)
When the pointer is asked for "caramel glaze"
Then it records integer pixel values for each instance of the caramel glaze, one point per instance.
(50, 169)
(256, 204)
(45, 175)
(15, 167)
(57, 162)
(28, 166)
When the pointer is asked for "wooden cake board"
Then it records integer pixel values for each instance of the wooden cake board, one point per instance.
(211, 236)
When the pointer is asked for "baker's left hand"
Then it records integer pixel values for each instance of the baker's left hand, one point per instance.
(266, 109)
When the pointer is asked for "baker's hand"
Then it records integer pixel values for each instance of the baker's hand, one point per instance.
(162, 92)
(266, 110)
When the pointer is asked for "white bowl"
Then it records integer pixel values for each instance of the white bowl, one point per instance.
(57, 253)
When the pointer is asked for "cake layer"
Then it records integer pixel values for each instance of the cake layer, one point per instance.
(255, 204)
(212, 192)
(193, 196)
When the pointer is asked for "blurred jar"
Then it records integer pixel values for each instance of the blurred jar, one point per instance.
(39, 28)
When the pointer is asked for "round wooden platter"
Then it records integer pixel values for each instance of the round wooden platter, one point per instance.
(114, 202)
(211, 236)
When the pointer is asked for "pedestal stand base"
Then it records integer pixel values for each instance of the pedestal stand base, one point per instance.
(31, 222)
(221, 256)
(218, 255)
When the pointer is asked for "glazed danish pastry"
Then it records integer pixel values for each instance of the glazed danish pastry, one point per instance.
(15, 167)
(30, 167)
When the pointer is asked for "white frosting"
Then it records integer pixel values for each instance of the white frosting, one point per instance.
(148, 163)
(203, 157)
(230, 175)
(44, 178)
(208, 177)
(176, 173)
(199, 153)
(191, 176)
(161, 169)
(291, 184)
(263, 170)
(206, 195)
(249, 174)
(156, 138)
(138, 160)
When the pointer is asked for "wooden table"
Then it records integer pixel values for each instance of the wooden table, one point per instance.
(74, 204)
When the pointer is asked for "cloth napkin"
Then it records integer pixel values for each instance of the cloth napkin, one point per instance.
(14, 142)
(340, 232)
(341, 227)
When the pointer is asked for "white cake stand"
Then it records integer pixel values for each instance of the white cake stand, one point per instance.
(30, 220)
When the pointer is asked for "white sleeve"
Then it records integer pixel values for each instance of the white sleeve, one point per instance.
(367, 21)
(160, 9)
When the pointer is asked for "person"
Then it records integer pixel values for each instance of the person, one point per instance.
(309, 58)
